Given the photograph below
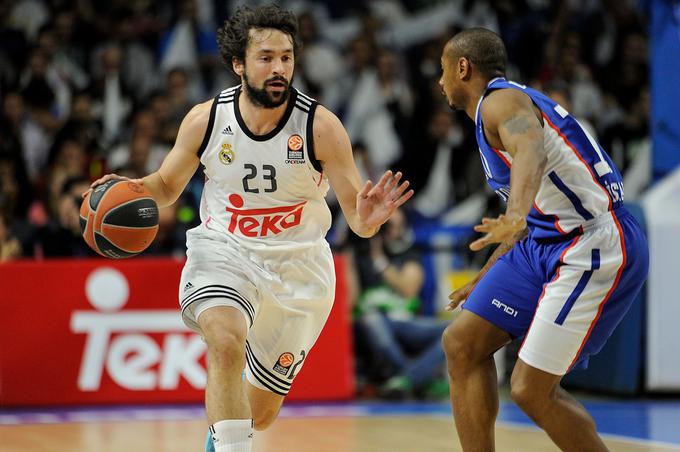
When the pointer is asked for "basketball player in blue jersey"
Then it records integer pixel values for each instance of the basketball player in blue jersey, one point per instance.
(570, 258)
(259, 282)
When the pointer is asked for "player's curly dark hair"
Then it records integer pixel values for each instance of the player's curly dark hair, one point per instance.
(233, 37)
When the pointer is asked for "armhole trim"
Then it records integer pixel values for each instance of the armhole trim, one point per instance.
(310, 138)
(208, 131)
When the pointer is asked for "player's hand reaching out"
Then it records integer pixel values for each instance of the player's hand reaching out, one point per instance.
(501, 229)
(376, 203)
(458, 295)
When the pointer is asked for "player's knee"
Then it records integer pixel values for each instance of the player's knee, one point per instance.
(526, 395)
(225, 345)
(264, 418)
(459, 352)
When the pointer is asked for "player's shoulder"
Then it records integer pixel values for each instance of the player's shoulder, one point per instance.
(326, 123)
(329, 134)
(194, 126)
(502, 103)
(199, 113)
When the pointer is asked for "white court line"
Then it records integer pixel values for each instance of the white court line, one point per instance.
(630, 439)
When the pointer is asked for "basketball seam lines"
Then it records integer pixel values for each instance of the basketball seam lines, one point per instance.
(276, 379)
(123, 205)
(106, 192)
(133, 253)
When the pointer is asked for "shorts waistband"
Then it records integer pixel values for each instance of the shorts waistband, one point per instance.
(605, 218)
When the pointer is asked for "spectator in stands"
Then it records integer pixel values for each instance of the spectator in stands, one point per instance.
(69, 161)
(441, 165)
(10, 248)
(113, 97)
(402, 346)
(190, 44)
(320, 64)
(61, 236)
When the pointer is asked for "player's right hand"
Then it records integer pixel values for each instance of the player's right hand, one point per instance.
(107, 178)
(457, 296)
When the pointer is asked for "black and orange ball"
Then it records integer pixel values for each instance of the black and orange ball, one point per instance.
(119, 219)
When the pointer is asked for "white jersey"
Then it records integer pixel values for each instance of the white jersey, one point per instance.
(263, 192)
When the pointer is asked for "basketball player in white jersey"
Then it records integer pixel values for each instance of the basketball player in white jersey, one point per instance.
(259, 282)
(571, 259)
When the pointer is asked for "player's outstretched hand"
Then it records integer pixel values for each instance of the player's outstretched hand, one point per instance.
(498, 230)
(376, 203)
(107, 178)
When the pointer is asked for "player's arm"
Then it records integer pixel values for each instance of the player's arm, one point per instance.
(511, 124)
(365, 206)
(509, 116)
(167, 184)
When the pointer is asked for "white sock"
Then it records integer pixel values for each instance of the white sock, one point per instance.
(232, 435)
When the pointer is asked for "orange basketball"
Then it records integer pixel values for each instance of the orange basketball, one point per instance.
(119, 219)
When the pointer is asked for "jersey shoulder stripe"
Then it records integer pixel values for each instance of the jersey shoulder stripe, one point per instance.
(209, 129)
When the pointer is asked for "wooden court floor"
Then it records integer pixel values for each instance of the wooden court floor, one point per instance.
(288, 434)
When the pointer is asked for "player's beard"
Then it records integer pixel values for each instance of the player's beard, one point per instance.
(262, 97)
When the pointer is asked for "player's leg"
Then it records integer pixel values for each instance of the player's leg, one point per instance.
(291, 317)
(500, 307)
(219, 301)
(469, 344)
(264, 406)
(591, 291)
(540, 396)
(224, 330)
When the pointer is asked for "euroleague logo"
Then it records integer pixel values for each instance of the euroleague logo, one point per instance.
(286, 364)
(286, 359)
(295, 153)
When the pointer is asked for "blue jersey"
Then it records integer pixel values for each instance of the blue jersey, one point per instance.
(579, 183)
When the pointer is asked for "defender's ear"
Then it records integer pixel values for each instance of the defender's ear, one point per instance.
(464, 68)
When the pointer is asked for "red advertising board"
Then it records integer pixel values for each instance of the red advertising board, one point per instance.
(103, 331)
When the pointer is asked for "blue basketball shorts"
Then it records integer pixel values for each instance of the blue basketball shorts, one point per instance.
(565, 298)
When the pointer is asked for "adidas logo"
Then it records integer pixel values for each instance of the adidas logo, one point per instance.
(188, 286)
(227, 131)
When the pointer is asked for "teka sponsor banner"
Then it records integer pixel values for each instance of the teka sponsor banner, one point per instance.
(99, 331)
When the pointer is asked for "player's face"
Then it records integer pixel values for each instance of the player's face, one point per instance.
(451, 85)
(447, 83)
(268, 69)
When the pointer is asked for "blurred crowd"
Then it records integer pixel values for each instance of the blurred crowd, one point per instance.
(93, 87)
(88, 88)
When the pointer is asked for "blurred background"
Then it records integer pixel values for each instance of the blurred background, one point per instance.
(88, 88)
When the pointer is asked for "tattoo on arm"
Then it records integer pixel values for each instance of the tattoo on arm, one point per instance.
(517, 125)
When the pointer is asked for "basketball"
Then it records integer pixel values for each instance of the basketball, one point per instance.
(119, 219)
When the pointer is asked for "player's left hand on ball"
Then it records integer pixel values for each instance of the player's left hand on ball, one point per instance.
(376, 203)
(497, 230)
